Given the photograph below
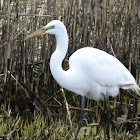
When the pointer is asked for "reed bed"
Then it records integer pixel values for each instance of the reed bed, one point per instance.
(31, 98)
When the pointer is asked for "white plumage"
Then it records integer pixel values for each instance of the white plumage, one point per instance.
(92, 73)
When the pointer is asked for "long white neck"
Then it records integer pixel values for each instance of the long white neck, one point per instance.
(57, 57)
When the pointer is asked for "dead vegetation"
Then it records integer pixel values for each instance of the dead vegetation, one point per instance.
(25, 79)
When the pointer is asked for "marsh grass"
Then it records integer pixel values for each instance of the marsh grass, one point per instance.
(32, 103)
(41, 126)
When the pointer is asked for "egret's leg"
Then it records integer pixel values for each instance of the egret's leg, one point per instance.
(81, 116)
(108, 117)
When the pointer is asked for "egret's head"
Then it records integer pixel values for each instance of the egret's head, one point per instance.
(53, 27)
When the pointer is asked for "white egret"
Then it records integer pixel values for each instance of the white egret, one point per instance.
(92, 73)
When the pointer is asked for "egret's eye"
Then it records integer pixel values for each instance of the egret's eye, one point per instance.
(52, 27)
(49, 27)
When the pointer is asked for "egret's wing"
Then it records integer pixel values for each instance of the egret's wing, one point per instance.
(101, 67)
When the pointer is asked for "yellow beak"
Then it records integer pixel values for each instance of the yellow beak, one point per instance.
(36, 33)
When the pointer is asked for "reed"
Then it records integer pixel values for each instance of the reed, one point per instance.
(25, 78)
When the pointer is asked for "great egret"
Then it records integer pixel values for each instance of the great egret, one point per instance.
(92, 73)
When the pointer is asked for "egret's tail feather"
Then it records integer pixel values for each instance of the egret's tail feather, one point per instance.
(136, 88)
(133, 87)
